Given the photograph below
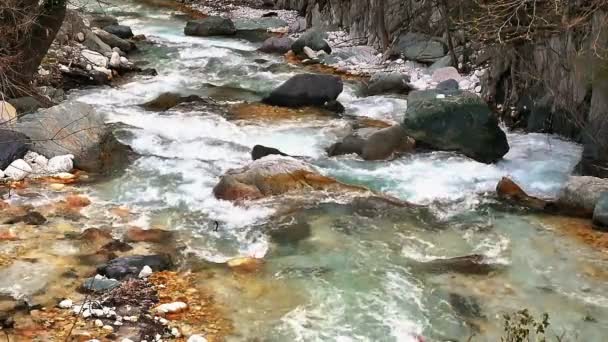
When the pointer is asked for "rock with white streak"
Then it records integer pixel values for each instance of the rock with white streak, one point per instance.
(95, 58)
(18, 170)
(60, 164)
(172, 307)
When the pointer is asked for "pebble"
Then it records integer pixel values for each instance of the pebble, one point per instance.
(66, 304)
(56, 186)
(98, 323)
(108, 328)
(175, 332)
(60, 164)
(172, 307)
(145, 272)
(197, 338)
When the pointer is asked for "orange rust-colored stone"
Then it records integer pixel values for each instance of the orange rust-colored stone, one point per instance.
(136, 234)
(246, 264)
(264, 112)
(579, 228)
(7, 235)
(291, 58)
(77, 201)
(509, 190)
(368, 122)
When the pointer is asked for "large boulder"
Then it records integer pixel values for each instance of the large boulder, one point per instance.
(419, 47)
(113, 40)
(13, 146)
(314, 39)
(257, 29)
(274, 175)
(120, 31)
(277, 45)
(388, 82)
(455, 121)
(74, 128)
(583, 193)
(210, 26)
(600, 212)
(306, 90)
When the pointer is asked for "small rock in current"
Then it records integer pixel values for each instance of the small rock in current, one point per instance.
(145, 272)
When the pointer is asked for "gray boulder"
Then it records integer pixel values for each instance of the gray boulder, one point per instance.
(600, 213)
(448, 85)
(314, 39)
(210, 26)
(277, 45)
(374, 144)
(74, 128)
(13, 146)
(114, 41)
(420, 47)
(306, 90)
(583, 193)
(93, 42)
(257, 29)
(388, 82)
(120, 31)
(455, 121)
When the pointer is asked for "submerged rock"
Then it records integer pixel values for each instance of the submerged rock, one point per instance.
(314, 39)
(290, 232)
(457, 121)
(374, 144)
(388, 82)
(148, 235)
(277, 45)
(274, 175)
(100, 284)
(75, 128)
(14, 146)
(245, 264)
(23, 279)
(33, 218)
(469, 264)
(260, 151)
(130, 266)
(306, 90)
(169, 100)
(600, 213)
(210, 26)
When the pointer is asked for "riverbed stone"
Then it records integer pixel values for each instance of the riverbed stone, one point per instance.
(14, 146)
(136, 234)
(260, 151)
(583, 192)
(99, 284)
(120, 31)
(455, 121)
(388, 82)
(314, 39)
(306, 90)
(168, 100)
(374, 143)
(279, 45)
(78, 129)
(114, 41)
(257, 29)
(420, 47)
(600, 213)
(210, 26)
(446, 73)
(23, 279)
(130, 266)
(102, 21)
(508, 190)
(468, 264)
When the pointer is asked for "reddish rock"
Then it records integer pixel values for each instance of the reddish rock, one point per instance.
(77, 201)
(136, 234)
(96, 236)
(245, 264)
(509, 190)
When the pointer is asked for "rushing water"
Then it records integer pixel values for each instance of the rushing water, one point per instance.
(355, 278)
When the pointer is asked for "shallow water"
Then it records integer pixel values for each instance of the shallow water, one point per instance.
(355, 278)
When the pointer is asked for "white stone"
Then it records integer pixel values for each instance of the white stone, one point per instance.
(115, 60)
(197, 338)
(86, 313)
(97, 312)
(80, 37)
(95, 58)
(310, 53)
(175, 332)
(18, 170)
(60, 164)
(66, 304)
(440, 96)
(145, 272)
(99, 276)
(162, 321)
(464, 84)
(98, 323)
(478, 89)
(8, 113)
(124, 61)
(108, 328)
(37, 161)
(89, 67)
(172, 307)
(104, 70)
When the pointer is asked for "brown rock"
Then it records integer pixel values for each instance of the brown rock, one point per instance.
(468, 264)
(245, 264)
(7, 235)
(77, 201)
(96, 236)
(264, 112)
(509, 190)
(136, 234)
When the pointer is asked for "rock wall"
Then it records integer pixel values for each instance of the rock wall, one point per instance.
(374, 22)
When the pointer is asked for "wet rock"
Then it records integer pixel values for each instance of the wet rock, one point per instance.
(469, 264)
(23, 279)
(314, 39)
(388, 82)
(291, 232)
(465, 306)
(32, 218)
(274, 175)
(81, 131)
(114, 41)
(260, 151)
(334, 106)
(583, 192)
(455, 122)
(448, 85)
(99, 257)
(257, 29)
(507, 189)
(279, 45)
(96, 236)
(373, 206)
(14, 146)
(245, 264)
(351, 144)
(102, 21)
(120, 31)
(136, 234)
(77, 201)
(210, 26)
(116, 246)
(99, 284)
(306, 90)
(130, 266)
(169, 100)
(419, 47)
(374, 144)
(600, 213)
